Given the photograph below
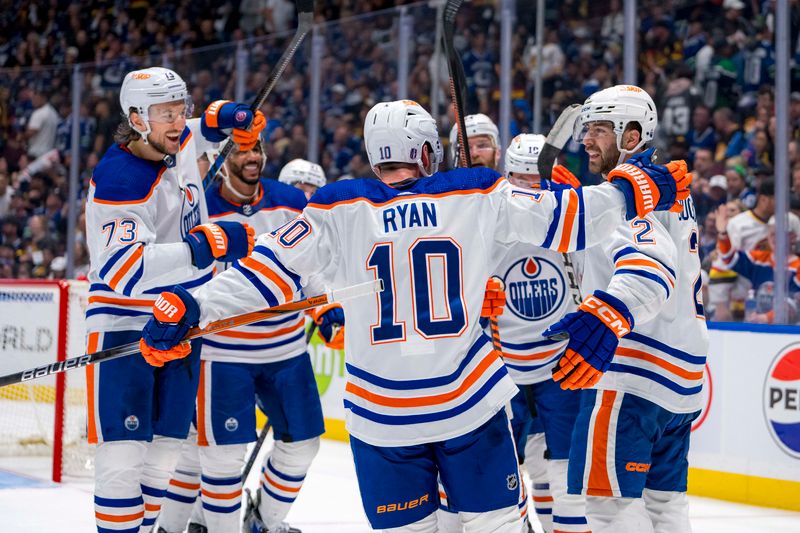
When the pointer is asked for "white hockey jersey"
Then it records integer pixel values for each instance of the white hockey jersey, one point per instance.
(652, 265)
(137, 213)
(273, 339)
(420, 368)
(537, 295)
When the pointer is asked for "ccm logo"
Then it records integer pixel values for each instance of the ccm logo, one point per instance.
(637, 467)
(167, 308)
(392, 507)
(643, 182)
(607, 315)
(140, 76)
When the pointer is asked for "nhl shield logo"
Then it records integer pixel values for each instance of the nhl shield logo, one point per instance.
(511, 481)
(535, 288)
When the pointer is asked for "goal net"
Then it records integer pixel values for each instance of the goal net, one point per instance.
(42, 322)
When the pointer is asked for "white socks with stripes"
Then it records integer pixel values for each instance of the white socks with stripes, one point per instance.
(221, 485)
(282, 475)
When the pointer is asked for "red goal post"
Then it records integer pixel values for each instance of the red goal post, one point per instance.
(42, 321)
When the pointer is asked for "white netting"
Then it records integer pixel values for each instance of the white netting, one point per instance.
(30, 317)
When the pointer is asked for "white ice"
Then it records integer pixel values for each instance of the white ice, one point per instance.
(329, 502)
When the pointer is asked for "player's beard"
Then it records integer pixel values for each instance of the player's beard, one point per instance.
(159, 146)
(608, 161)
(238, 172)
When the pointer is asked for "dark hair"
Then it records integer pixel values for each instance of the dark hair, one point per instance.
(125, 132)
(767, 187)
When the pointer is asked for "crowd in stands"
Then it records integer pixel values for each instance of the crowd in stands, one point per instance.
(710, 66)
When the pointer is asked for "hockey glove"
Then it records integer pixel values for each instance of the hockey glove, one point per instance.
(649, 187)
(222, 116)
(223, 241)
(594, 332)
(330, 321)
(173, 314)
(562, 175)
(494, 300)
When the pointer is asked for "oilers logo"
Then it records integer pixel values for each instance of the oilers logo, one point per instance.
(190, 209)
(782, 400)
(535, 288)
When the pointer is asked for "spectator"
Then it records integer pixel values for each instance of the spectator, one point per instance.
(42, 126)
(702, 134)
(731, 139)
(6, 193)
(738, 188)
(748, 231)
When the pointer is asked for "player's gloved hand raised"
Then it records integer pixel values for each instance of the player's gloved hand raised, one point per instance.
(173, 314)
(223, 241)
(650, 187)
(330, 321)
(594, 332)
(222, 116)
(563, 176)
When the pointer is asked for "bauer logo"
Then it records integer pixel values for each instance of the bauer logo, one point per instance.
(535, 288)
(782, 400)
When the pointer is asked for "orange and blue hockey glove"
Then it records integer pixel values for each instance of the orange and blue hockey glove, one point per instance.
(594, 331)
(330, 323)
(494, 299)
(563, 176)
(223, 117)
(223, 241)
(174, 313)
(650, 187)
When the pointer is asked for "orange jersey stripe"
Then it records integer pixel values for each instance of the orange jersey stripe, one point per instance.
(202, 439)
(186, 140)
(254, 335)
(91, 347)
(644, 356)
(184, 485)
(599, 484)
(222, 495)
(120, 301)
(141, 201)
(543, 499)
(119, 518)
(646, 263)
(152, 506)
(569, 220)
(423, 401)
(264, 270)
(126, 267)
(532, 357)
(409, 197)
(279, 486)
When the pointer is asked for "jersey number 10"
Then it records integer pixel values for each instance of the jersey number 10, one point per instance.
(422, 255)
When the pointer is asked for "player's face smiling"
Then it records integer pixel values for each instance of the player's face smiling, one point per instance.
(246, 166)
(600, 143)
(167, 122)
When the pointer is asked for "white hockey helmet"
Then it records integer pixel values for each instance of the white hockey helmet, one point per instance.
(302, 171)
(620, 105)
(395, 132)
(477, 124)
(155, 85)
(522, 155)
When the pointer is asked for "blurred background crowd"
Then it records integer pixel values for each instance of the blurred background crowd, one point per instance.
(709, 65)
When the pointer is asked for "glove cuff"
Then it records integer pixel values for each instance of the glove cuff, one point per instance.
(626, 188)
(611, 311)
(317, 312)
(191, 316)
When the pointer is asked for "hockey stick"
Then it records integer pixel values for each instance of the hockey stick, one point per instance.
(553, 144)
(458, 87)
(257, 448)
(305, 19)
(458, 82)
(346, 293)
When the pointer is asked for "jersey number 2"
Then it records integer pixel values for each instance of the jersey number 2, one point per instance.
(433, 317)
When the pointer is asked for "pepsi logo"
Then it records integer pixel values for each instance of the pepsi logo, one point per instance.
(535, 288)
(782, 400)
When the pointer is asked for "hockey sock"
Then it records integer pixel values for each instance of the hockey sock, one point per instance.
(221, 485)
(668, 510)
(159, 462)
(118, 503)
(536, 466)
(282, 476)
(569, 510)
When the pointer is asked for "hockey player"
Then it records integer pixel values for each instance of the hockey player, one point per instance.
(643, 308)
(305, 175)
(267, 361)
(484, 142)
(537, 295)
(425, 391)
(145, 214)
